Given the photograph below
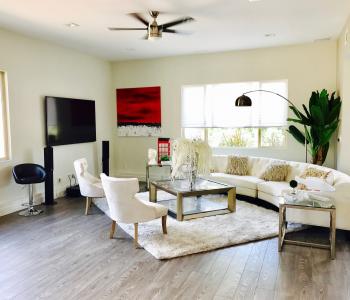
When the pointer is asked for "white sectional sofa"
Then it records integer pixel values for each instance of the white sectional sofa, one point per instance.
(271, 191)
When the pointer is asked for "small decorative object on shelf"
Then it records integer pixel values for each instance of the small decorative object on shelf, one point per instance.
(163, 148)
(293, 184)
(152, 155)
(165, 160)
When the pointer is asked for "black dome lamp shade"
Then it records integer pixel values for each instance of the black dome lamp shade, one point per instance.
(243, 101)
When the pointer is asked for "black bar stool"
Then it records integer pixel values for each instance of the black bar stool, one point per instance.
(29, 174)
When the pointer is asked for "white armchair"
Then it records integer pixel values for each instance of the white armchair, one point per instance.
(125, 207)
(90, 186)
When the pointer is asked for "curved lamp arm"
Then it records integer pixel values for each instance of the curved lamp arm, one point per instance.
(246, 101)
(267, 91)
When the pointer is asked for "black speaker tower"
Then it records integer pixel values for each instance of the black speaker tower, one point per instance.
(105, 157)
(48, 161)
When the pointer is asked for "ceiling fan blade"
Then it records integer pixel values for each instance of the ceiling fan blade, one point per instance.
(169, 30)
(140, 18)
(118, 28)
(176, 22)
(177, 31)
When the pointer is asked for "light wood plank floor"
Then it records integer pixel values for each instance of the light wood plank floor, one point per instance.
(63, 254)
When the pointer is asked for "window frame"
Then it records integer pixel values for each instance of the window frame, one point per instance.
(284, 128)
(5, 115)
(206, 135)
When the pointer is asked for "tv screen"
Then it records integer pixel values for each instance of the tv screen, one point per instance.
(69, 121)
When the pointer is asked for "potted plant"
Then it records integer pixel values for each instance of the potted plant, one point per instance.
(320, 121)
(165, 160)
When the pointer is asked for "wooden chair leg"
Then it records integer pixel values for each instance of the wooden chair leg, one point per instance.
(88, 204)
(136, 234)
(111, 233)
(164, 224)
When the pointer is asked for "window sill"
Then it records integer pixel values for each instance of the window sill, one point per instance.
(250, 148)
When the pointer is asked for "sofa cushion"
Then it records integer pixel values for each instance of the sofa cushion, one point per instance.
(276, 171)
(237, 165)
(325, 174)
(273, 188)
(249, 182)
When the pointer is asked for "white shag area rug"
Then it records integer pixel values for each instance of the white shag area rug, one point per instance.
(248, 223)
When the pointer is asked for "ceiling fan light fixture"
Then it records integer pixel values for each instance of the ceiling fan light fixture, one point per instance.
(154, 37)
(153, 31)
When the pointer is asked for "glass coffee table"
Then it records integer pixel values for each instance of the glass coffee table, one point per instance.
(202, 200)
(312, 205)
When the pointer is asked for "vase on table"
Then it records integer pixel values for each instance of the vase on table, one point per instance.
(192, 172)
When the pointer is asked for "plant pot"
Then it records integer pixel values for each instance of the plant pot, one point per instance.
(320, 155)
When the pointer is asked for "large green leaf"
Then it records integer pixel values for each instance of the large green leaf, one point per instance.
(295, 121)
(323, 102)
(334, 113)
(307, 112)
(297, 134)
(316, 114)
(331, 100)
(314, 133)
(300, 115)
(313, 99)
(307, 135)
(326, 133)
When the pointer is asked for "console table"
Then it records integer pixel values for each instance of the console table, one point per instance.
(148, 166)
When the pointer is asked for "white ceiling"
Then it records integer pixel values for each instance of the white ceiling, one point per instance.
(221, 25)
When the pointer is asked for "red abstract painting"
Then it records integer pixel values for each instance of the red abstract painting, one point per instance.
(139, 111)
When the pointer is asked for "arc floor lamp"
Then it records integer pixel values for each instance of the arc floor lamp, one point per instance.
(245, 101)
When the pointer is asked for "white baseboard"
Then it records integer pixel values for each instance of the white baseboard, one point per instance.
(16, 204)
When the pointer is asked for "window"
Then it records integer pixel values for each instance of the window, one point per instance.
(4, 132)
(209, 113)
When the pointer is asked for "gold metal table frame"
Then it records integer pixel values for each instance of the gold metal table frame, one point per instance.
(283, 226)
(148, 166)
(180, 195)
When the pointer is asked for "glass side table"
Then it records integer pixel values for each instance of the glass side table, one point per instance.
(148, 166)
(307, 204)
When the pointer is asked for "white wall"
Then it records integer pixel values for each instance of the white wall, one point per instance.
(36, 69)
(307, 67)
(343, 158)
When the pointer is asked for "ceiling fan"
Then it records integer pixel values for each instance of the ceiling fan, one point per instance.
(154, 31)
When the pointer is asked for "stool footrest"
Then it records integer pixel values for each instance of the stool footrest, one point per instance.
(32, 211)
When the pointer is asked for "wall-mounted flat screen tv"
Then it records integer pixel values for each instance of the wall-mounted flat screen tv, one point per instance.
(69, 121)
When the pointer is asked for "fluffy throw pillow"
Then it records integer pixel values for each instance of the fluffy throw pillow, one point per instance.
(237, 165)
(313, 172)
(327, 176)
(277, 171)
